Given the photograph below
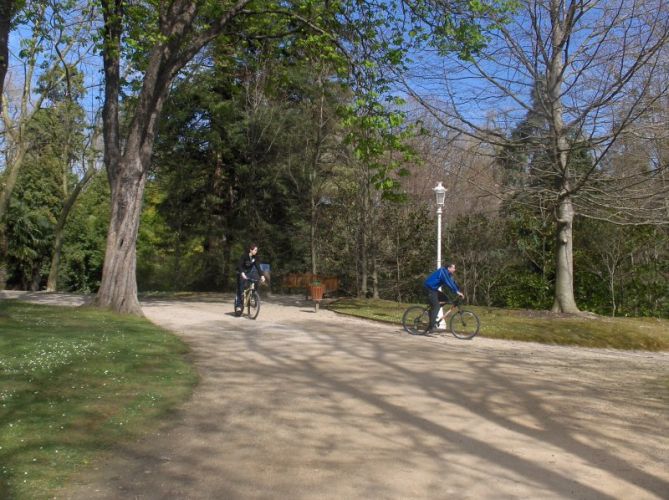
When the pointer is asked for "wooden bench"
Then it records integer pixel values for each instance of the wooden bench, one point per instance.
(302, 281)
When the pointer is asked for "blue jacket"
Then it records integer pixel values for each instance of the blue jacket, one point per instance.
(441, 277)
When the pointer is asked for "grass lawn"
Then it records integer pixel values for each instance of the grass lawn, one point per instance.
(587, 330)
(74, 381)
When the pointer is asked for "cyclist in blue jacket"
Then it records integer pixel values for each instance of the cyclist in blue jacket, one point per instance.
(442, 277)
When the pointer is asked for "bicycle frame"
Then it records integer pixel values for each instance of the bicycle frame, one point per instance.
(452, 307)
(248, 289)
(250, 299)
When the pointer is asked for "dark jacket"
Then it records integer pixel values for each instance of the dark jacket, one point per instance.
(247, 264)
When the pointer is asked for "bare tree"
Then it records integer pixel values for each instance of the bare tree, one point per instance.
(583, 73)
(45, 54)
(71, 187)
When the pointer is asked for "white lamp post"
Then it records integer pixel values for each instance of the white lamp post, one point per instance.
(440, 193)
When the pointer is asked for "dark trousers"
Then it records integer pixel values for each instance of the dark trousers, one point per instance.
(241, 283)
(434, 297)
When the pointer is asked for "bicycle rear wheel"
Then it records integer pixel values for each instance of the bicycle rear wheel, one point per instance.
(464, 324)
(416, 320)
(254, 305)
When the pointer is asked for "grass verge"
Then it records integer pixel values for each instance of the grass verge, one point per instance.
(73, 382)
(586, 330)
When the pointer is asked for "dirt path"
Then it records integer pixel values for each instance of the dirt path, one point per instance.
(299, 405)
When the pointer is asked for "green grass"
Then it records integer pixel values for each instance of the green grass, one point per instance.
(73, 382)
(586, 330)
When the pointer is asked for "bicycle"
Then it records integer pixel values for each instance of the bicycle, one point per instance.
(251, 299)
(462, 323)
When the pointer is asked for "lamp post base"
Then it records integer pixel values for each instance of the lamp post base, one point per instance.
(441, 321)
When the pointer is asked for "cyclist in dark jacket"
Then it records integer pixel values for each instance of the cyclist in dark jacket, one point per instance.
(248, 268)
(442, 277)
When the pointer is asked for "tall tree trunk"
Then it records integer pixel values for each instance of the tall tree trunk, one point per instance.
(227, 264)
(214, 240)
(229, 271)
(312, 236)
(362, 291)
(398, 269)
(374, 250)
(313, 174)
(12, 174)
(4, 244)
(564, 264)
(6, 8)
(363, 242)
(375, 280)
(118, 289)
(612, 288)
(36, 277)
(52, 281)
(563, 300)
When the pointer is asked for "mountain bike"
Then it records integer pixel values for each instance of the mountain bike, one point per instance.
(462, 323)
(251, 299)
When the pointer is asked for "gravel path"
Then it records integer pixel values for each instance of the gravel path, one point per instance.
(305, 405)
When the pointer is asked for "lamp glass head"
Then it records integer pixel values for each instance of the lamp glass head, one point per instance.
(440, 193)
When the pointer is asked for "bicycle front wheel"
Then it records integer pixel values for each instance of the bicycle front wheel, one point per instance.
(254, 305)
(464, 324)
(416, 320)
